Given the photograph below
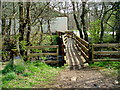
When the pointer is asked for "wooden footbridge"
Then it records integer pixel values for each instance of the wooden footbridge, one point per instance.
(79, 52)
(76, 49)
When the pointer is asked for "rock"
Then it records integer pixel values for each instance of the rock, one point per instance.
(86, 64)
(95, 85)
(116, 82)
(74, 78)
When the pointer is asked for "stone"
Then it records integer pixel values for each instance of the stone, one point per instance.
(116, 82)
(74, 78)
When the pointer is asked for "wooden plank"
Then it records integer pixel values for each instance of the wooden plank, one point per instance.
(82, 41)
(73, 55)
(112, 59)
(78, 56)
(39, 47)
(83, 47)
(107, 45)
(106, 52)
(57, 54)
(65, 39)
(41, 54)
(68, 57)
(51, 61)
(104, 55)
(83, 53)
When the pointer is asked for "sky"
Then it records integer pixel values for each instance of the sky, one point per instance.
(59, 0)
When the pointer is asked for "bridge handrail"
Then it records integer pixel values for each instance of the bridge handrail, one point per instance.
(82, 45)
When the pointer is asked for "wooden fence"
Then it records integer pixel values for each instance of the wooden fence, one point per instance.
(29, 54)
(112, 52)
(89, 52)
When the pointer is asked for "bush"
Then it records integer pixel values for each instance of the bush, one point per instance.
(107, 64)
(108, 38)
(9, 76)
(19, 69)
(32, 68)
(38, 64)
(94, 31)
(27, 74)
(8, 68)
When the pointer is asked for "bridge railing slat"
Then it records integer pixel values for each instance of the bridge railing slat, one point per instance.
(82, 45)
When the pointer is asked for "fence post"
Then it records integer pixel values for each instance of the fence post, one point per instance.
(58, 53)
(91, 53)
(28, 52)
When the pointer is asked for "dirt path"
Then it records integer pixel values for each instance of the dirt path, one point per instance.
(84, 78)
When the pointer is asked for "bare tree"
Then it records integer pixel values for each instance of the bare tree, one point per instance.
(84, 27)
(76, 20)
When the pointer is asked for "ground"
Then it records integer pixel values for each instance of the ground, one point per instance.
(85, 78)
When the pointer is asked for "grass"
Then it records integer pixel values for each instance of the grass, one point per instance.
(28, 75)
(108, 68)
(107, 64)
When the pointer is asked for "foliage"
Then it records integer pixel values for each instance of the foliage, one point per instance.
(8, 68)
(106, 64)
(26, 74)
(47, 40)
(108, 38)
(13, 68)
(36, 74)
(19, 69)
(36, 50)
(9, 76)
(95, 31)
(5, 54)
(23, 45)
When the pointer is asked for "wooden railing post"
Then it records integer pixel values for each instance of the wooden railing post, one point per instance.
(58, 53)
(28, 52)
(92, 53)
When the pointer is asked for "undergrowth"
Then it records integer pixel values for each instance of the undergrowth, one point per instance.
(106, 64)
(28, 74)
(108, 68)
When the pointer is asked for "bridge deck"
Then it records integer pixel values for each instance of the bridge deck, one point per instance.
(73, 55)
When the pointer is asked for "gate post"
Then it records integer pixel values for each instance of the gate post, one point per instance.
(90, 53)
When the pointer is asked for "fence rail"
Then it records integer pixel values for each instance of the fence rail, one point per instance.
(113, 55)
(29, 54)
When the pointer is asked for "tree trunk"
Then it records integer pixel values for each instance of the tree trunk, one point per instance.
(76, 21)
(102, 22)
(14, 20)
(21, 26)
(3, 26)
(41, 23)
(28, 23)
(83, 20)
(117, 16)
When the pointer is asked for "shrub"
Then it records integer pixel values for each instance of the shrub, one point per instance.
(27, 74)
(32, 68)
(9, 76)
(19, 69)
(8, 68)
(39, 64)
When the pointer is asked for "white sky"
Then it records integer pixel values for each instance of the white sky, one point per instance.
(59, 0)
